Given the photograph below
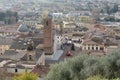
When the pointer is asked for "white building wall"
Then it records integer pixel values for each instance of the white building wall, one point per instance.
(99, 48)
(86, 47)
(83, 47)
(12, 70)
(30, 23)
(89, 47)
(95, 47)
(58, 41)
(41, 60)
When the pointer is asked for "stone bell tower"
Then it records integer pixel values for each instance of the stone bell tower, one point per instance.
(48, 35)
(30, 52)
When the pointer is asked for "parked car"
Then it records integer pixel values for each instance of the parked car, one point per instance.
(68, 53)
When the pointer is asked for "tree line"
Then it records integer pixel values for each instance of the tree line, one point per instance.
(9, 17)
(109, 10)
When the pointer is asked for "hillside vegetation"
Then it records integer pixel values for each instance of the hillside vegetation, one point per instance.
(88, 67)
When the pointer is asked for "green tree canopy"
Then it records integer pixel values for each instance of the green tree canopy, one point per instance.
(26, 76)
(84, 66)
(9, 17)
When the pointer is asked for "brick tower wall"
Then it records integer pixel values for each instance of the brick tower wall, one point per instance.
(48, 36)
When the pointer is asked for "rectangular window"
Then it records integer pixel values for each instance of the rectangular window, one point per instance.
(92, 47)
(97, 48)
(16, 70)
(101, 48)
(30, 57)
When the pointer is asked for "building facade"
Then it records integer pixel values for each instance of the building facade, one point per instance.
(90, 45)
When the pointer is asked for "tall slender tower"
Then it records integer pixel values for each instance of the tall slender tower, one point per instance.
(48, 35)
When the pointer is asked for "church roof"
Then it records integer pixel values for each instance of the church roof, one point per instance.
(5, 41)
(23, 28)
(49, 15)
(21, 44)
(13, 55)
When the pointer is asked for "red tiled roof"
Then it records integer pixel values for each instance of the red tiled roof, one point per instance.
(41, 70)
(89, 42)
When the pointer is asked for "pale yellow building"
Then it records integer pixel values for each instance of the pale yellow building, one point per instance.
(84, 18)
(4, 44)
